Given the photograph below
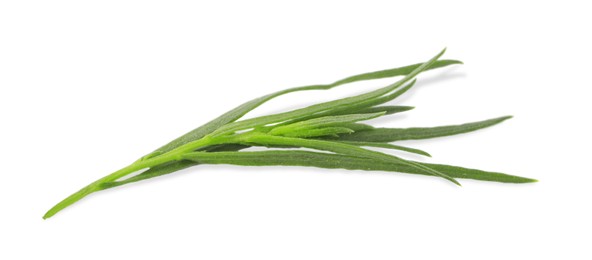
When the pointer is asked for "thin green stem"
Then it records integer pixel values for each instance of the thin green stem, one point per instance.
(173, 155)
(95, 186)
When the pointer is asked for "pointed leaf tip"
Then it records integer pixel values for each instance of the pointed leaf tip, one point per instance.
(501, 119)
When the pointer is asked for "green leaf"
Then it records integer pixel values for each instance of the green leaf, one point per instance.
(388, 146)
(337, 161)
(357, 127)
(389, 110)
(389, 73)
(466, 173)
(399, 134)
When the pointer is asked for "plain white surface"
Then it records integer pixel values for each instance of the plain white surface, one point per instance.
(87, 87)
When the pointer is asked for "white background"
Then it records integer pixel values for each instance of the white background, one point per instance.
(88, 87)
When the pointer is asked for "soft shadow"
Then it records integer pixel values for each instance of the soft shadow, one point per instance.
(441, 76)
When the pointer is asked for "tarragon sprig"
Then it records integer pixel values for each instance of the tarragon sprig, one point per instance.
(332, 130)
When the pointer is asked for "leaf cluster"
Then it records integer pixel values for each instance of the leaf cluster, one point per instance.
(332, 133)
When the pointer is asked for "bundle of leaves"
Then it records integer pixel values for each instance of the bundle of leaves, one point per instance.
(331, 132)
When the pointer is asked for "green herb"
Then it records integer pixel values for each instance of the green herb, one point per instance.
(331, 129)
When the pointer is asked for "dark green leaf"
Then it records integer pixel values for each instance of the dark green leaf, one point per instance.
(398, 134)
(388, 146)
(331, 161)
(389, 110)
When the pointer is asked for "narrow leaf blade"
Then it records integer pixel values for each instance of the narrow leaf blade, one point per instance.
(388, 146)
(340, 148)
(336, 161)
(416, 133)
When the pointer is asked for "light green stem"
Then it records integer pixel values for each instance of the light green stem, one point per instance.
(173, 155)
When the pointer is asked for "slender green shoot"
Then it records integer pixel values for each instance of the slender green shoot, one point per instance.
(332, 130)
